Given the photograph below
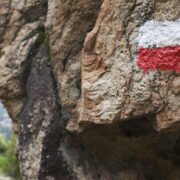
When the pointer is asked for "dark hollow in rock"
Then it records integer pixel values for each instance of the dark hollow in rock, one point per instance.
(137, 127)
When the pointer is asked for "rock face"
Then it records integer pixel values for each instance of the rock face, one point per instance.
(82, 107)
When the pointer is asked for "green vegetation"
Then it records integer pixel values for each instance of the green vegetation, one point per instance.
(43, 38)
(8, 162)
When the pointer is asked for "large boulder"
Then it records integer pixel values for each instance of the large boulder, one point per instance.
(93, 87)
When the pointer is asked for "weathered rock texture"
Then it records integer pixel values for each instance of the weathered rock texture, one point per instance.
(80, 105)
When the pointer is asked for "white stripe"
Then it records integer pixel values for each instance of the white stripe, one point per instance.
(159, 34)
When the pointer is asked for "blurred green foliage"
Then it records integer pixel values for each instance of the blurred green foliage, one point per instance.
(8, 162)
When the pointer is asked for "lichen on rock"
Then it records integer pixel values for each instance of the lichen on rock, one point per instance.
(80, 105)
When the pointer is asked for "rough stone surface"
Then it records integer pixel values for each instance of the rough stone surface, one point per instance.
(80, 105)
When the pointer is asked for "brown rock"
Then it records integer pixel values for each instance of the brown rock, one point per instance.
(176, 86)
(80, 105)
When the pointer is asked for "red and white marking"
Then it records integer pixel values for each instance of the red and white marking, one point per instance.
(159, 46)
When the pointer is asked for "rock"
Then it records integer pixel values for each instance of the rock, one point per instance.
(176, 86)
(86, 99)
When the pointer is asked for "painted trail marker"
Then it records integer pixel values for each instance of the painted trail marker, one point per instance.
(159, 46)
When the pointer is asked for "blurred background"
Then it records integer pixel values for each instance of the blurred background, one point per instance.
(9, 167)
(5, 123)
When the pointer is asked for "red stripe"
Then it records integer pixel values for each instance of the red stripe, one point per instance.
(167, 58)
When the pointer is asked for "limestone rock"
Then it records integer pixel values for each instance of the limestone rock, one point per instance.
(81, 106)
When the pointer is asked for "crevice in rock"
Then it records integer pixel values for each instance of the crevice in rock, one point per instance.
(176, 151)
(129, 147)
(80, 27)
(52, 162)
(33, 13)
(137, 127)
(65, 62)
(42, 122)
(35, 48)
